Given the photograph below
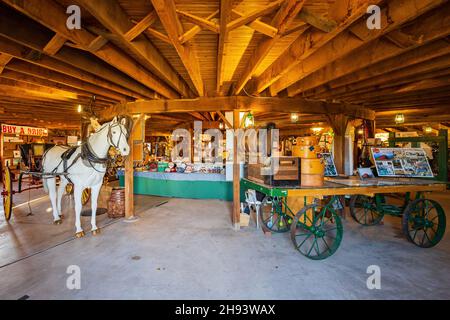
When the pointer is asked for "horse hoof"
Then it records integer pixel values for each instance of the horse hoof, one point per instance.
(79, 234)
(96, 232)
(56, 222)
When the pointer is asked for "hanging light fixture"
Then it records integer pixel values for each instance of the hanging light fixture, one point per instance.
(221, 125)
(428, 129)
(249, 120)
(294, 117)
(79, 108)
(400, 118)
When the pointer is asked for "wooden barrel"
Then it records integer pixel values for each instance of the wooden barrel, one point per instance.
(312, 173)
(305, 152)
(116, 203)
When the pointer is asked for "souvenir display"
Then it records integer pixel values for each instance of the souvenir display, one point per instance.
(402, 162)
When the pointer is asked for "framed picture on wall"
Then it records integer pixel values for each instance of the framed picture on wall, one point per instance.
(16, 154)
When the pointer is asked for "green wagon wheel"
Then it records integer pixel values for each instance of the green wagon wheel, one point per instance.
(424, 223)
(317, 232)
(275, 220)
(7, 193)
(363, 210)
(85, 196)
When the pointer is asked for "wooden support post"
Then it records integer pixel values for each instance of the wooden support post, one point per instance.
(236, 214)
(129, 182)
(339, 123)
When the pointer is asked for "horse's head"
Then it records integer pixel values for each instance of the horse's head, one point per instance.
(118, 135)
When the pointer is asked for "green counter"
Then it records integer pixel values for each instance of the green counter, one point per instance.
(182, 185)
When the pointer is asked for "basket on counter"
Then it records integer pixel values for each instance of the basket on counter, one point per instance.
(116, 203)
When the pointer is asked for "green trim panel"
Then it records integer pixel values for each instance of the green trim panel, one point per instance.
(222, 190)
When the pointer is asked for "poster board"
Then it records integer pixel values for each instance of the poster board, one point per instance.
(402, 162)
(330, 166)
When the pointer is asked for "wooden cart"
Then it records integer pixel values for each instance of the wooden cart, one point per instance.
(316, 229)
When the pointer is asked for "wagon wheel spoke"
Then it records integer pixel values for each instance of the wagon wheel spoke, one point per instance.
(326, 244)
(301, 244)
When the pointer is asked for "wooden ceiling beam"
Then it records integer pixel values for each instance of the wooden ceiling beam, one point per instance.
(282, 20)
(4, 60)
(420, 55)
(396, 82)
(230, 103)
(26, 54)
(166, 11)
(421, 71)
(257, 24)
(97, 43)
(19, 76)
(52, 15)
(304, 46)
(201, 22)
(114, 18)
(430, 29)
(191, 33)
(21, 33)
(161, 36)
(40, 72)
(54, 45)
(255, 14)
(141, 26)
(390, 92)
(393, 15)
(316, 21)
(225, 17)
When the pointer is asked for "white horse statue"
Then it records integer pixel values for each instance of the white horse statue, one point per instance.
(84, 167)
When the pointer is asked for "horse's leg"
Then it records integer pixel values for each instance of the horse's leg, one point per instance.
(61, 189)
(77, 193)
(95, 191)
(51, 185)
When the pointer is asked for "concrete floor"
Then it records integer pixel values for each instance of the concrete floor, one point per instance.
(186, 249)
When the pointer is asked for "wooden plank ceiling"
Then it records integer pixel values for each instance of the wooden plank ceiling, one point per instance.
(131, 50)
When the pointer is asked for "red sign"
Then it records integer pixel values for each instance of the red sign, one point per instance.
(23, 131)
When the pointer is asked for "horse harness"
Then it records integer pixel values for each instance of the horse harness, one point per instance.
(87, 155)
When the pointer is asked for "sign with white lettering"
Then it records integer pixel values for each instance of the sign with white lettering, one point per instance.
(23, 131)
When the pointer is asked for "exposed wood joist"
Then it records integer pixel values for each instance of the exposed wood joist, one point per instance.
(29, 33)
(230, 103)
(39, 72)
(414, 57)
(141, 26)
(320, 23)
(191, 33)
(304, 46)
(393, 15)
(53, 16)
(398, 79)
(166, 11)
(430, 29)
(252, 16)
(54, 45)
(203, 23)
(113, 17)
(257, 24)
(4, 60)
(24, 77)
(225, 16)
(282, 20)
